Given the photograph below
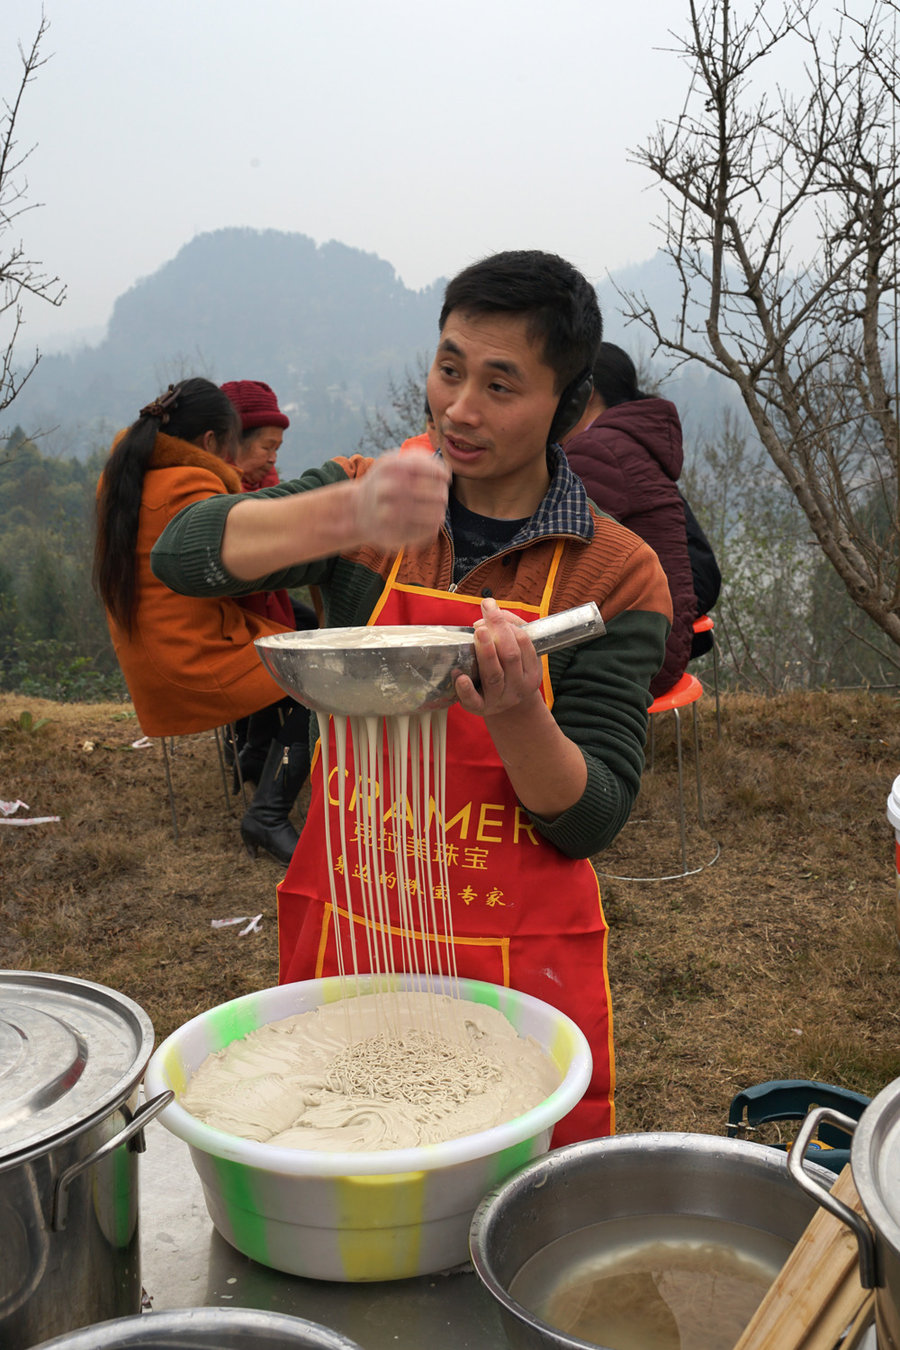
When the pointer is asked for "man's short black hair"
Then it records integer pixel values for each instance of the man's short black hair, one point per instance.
(559, 303)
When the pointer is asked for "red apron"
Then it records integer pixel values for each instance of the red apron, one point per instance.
(523, 914)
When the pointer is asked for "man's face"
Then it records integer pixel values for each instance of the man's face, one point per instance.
(493, 399)
(257, 455)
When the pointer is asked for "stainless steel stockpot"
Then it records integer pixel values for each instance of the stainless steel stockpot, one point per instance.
(875, 1165)
(72, 1054)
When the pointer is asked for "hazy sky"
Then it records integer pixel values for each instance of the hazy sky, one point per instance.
(428, 134)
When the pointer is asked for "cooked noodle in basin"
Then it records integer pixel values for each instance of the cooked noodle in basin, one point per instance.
(383, 1071)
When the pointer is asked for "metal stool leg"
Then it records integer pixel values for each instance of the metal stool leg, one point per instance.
(217, 732)
(242, 786)
(687, 691)
(170, 788)
(715, 651)
(237, 767)
(681, 820)
(697, 768)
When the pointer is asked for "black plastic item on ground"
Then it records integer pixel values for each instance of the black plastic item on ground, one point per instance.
(792, 1099)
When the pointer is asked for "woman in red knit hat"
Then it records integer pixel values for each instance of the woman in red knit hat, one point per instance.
(262, 428)
(263, 425)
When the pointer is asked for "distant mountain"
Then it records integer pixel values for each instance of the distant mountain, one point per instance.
(326, 325)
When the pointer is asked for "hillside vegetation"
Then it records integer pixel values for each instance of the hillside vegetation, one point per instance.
(339, 336)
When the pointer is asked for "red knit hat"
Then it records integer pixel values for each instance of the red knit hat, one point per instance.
(256, 404)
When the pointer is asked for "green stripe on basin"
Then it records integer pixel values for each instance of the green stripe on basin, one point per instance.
(510, 1160)
(249, 1232)
(231, 1021)
(367, 1206)
(124, 1183)
(489, 995)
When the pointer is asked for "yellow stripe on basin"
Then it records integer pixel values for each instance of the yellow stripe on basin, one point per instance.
(175, 1070)
(380, 1224)
(562, 1048)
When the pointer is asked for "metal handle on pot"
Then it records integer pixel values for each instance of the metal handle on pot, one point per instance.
(868, 1254)
(566, 629)
(142, 1116)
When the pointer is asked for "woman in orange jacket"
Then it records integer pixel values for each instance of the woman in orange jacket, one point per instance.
(190, 664)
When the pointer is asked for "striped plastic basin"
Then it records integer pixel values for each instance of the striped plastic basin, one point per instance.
(381, 1215)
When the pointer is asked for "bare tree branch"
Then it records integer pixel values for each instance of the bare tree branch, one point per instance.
(753, 180)
(386, 429)
(20, 276)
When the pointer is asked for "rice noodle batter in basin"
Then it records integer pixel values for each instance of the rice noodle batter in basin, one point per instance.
(381, 1071)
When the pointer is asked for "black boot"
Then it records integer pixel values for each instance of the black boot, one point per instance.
(266, 824)
(255, 735)
(252, 760)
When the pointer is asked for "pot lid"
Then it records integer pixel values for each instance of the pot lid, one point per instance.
(69, 1050)
(875, 1162)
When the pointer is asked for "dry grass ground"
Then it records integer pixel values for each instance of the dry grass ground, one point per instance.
(779, 961)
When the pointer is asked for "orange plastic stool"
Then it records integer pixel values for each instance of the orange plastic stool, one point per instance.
(704, 624)
(686, 693)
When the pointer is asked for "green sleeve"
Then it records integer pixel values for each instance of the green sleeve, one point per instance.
(187, 557)
(600, 700)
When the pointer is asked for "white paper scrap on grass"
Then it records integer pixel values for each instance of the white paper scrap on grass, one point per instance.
(34, 820)
(252, 924)
(8, 809)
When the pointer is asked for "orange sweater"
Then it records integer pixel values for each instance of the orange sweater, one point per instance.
(189, 664)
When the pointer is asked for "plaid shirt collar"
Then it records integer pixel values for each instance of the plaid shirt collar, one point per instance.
(564, 509)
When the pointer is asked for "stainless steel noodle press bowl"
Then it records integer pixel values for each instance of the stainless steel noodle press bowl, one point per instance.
(392, 671)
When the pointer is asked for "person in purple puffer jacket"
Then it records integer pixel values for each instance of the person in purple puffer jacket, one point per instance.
(627, 451)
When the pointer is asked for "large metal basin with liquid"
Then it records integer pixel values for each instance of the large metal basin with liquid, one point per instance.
(739, 1188)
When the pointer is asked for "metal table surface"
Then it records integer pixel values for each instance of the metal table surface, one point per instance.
(186, 1264)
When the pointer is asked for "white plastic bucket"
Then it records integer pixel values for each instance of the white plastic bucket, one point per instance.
(893, 815)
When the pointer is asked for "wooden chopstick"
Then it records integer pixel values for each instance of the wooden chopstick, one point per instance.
(817, 1295)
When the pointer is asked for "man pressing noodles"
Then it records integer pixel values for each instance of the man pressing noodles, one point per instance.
(544, 762)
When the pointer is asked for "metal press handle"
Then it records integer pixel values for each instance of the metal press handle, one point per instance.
(868, 1255)
(566, 629)
(142, 1116)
